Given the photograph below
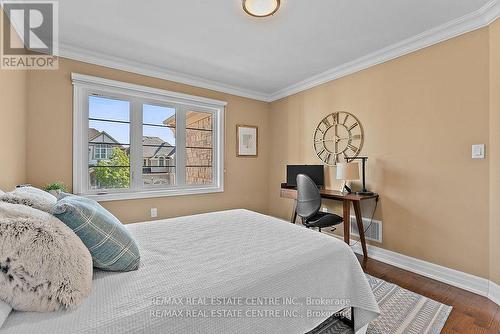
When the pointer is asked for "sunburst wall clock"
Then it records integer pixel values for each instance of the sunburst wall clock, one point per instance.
(338, 138)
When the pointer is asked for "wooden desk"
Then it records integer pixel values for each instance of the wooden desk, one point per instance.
(346, 199)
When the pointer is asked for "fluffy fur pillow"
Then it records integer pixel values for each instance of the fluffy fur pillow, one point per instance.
(30, 196)
(44, 266)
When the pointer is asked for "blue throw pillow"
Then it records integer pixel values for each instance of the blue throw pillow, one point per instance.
(109, 242)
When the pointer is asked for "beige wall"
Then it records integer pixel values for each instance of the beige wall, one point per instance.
(13, 110)
(494, 152)
(49, 145)
(12, 128)
(420, 114)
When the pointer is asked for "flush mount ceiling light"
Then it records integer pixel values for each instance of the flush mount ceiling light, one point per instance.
(261, 8)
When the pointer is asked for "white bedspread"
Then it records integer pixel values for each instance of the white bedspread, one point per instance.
(205, 259)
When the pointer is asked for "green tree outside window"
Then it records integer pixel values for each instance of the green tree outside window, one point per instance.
(115, 172)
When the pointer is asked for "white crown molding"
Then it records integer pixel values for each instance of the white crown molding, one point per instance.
(475, 284)
(475, 20)
(491, 11)
(494, 292)
(87, 56)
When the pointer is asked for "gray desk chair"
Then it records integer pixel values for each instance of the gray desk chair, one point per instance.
(309, 203)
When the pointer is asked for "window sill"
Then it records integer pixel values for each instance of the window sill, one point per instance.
(152, 194)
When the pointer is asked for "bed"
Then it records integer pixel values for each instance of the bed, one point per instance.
(234, 271)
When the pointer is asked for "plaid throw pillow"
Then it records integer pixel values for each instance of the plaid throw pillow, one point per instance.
(109, 242)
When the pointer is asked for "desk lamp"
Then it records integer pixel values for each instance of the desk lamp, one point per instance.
(347, 172)
(364, 191)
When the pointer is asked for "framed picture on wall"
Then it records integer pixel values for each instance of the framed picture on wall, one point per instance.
(247, 141)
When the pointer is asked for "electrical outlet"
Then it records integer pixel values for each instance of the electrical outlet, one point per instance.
(325, 209)
(154, 212)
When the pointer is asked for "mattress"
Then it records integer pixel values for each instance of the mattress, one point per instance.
(234, 271)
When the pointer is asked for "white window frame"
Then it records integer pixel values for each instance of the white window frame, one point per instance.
(85, 85)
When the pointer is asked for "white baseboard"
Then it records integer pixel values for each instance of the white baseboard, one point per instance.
(475, 284)
(494, 292)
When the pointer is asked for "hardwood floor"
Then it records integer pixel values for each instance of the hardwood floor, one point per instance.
(471, 313)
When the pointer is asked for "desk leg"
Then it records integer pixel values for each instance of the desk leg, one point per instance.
(361, 228)
(294, 213)
(347, 221)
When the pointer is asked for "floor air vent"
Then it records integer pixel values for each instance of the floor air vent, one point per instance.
(374, 233)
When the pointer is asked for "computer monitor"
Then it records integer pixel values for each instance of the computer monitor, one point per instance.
(315, 172)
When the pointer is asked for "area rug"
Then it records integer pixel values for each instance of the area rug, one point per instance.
(401, 311)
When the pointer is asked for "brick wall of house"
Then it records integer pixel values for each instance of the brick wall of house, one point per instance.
(196, 156)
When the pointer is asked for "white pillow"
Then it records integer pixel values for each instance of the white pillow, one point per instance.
(4, 312)
(30, 196)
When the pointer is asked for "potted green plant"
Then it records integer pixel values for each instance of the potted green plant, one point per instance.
(55, 188)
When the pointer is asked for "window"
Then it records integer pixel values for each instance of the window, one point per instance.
(144, 142)
(199, 147)
(158, 142)
(100, 152)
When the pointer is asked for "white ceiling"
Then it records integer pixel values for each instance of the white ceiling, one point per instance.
(215, 42)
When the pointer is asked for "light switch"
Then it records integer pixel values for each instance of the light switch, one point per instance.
(478, 151)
